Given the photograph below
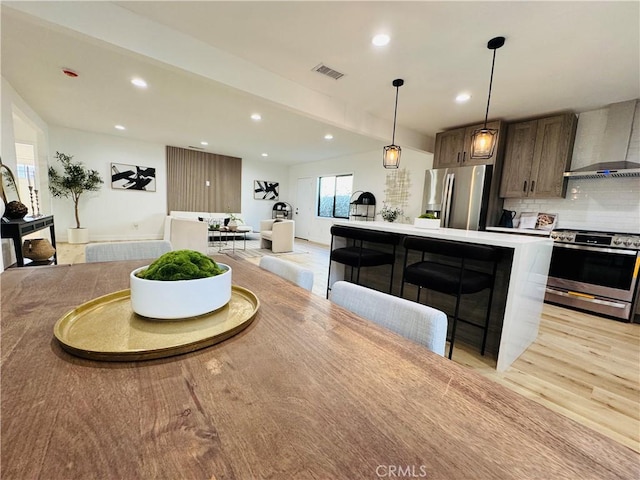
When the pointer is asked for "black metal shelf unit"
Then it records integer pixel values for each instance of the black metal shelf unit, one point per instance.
(362, 206)
(281, 210)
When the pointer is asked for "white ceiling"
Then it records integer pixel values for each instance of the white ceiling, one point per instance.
(210, 65)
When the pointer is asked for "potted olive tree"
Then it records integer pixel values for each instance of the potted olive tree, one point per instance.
(74, 180)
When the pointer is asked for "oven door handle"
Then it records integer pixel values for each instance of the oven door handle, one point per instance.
(585, 297)
(596, 249)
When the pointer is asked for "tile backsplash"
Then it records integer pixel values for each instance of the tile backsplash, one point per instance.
(605, 204)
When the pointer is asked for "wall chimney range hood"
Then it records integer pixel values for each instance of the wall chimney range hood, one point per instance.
(606, 169)
(615, 145)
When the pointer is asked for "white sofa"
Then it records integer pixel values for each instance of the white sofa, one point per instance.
(277, 235)
(207, 216)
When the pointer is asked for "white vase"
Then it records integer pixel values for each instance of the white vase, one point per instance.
(78, 235)
(428, 223)
(179, 299)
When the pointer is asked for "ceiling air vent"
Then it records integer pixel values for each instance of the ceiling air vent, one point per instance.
(329, 72)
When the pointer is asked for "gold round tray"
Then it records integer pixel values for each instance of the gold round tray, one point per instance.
(106, 328)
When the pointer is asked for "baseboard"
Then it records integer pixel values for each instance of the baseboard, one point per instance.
(114, 238)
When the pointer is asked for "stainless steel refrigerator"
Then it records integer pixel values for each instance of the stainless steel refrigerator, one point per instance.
(460, 197)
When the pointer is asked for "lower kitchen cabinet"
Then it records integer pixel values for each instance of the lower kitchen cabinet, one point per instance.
(537, 154)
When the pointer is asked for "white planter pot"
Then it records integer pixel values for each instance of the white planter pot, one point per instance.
(429, 223)
(78, 235)
(181, 298)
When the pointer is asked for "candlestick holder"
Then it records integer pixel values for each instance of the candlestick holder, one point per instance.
(37, 203)
(31, 196)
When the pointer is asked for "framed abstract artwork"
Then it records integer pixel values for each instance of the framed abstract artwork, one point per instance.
(133, 177)
(266, 190)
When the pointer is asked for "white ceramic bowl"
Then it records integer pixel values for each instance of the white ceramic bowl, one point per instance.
(180, 298)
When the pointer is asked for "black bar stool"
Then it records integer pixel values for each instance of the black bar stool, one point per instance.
(357, 256)
(454, 278)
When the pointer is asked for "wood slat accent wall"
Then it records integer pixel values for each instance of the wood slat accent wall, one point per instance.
(187, 174)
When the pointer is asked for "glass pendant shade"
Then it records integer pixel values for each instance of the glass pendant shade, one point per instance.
(483, 143)
(391, 153)
(483, 140)
(391, 156)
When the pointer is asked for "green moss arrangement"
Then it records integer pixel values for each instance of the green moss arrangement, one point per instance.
(428, 215)
(181, 265)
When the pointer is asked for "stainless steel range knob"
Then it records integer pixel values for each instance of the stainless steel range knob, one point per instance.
(617, 241)
(628, 242)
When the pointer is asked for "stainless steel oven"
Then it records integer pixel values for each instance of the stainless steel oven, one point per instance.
(595, 271)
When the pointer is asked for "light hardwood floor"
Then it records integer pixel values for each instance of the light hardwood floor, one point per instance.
(582, 366)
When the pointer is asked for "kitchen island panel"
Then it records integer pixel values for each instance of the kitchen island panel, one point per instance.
(518, 296)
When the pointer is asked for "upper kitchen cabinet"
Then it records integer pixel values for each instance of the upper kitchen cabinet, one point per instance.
(453, 147)
(537, 154)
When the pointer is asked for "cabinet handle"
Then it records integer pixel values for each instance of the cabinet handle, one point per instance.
(524, 189)
(458, 160)
(464, 157)
(533, 184)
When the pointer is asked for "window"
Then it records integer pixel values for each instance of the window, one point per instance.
(26, 170)
(333, 196)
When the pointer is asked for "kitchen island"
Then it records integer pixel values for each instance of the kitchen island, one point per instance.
(520, 286)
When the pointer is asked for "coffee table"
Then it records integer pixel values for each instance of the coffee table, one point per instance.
(225, 234)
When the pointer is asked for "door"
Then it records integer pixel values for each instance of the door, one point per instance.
(552, 157)
(304, 209)
(469, 195)
(434, 182)
(449, 148)
(518, 158)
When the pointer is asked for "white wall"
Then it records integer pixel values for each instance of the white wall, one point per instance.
(255, 210)
(111, 214)
(13, 104)
(368, 175)
(601, 204)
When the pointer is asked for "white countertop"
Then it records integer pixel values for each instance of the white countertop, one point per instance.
(521, 231)
(498, 239)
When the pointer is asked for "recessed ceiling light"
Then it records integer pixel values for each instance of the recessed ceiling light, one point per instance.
(256, 116)
(120, 127)
(138, 82)
(265, 154)
(328, 136)
(463, 97)
(380, 40)
(204, 143)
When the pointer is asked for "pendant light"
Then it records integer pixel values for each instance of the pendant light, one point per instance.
(391, 153)
(483, 141)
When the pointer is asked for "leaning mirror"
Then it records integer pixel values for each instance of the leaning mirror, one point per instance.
(8, 185)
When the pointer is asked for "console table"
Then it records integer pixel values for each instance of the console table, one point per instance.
(16, 229)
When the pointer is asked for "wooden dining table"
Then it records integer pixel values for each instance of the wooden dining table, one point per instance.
(307, 391)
